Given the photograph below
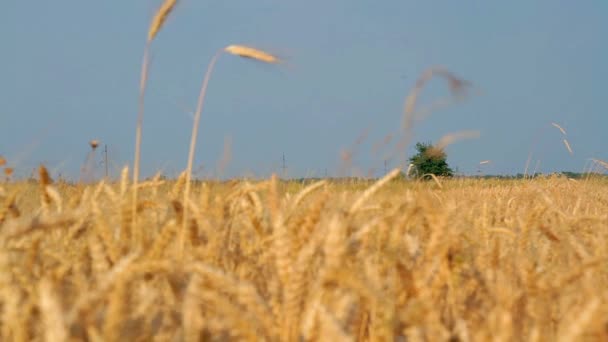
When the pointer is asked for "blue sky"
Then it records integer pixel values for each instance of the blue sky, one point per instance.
(70, 73)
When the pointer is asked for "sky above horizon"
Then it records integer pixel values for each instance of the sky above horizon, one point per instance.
(70, 73)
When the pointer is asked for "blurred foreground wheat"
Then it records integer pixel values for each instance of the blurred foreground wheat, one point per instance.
(279, 261)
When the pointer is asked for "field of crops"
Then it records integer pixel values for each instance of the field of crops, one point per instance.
(393, 260)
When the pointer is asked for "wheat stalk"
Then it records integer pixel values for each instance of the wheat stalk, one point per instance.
(237, 50)
(567, 144)
(451, 138)
(52, 315)
(45, 182)
(561, 129)
(448, 139)
(579, 323)
(457, 87)
(600, 162)
(373, 189)
(157, 23)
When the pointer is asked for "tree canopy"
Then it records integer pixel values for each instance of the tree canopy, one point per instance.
(430, 160)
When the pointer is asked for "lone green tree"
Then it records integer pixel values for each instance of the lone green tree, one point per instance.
(430, 160)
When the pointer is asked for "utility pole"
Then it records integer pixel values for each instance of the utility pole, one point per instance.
(105, 159)
(284, 166)
(385, 166)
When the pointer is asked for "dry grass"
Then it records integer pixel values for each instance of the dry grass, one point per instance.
(473, 260)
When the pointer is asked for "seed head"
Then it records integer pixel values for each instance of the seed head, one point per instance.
(160, 18)
(249, 52)
(45, 178)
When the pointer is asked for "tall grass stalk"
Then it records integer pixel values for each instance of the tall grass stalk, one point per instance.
(157, 23)
(236, 50)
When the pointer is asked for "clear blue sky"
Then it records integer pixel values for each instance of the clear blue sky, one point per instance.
(69, 72)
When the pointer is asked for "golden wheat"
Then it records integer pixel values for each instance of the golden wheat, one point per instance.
(53, 318)
(160, 17)
(284, 261)
(253, 53)
(451, 138)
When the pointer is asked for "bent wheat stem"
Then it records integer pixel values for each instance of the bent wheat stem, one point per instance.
(236, 50)
(195, 124)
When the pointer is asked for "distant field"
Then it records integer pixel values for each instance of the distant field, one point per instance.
(458, 260)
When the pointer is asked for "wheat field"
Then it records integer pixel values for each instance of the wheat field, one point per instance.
(460, 259)
(395, 260)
